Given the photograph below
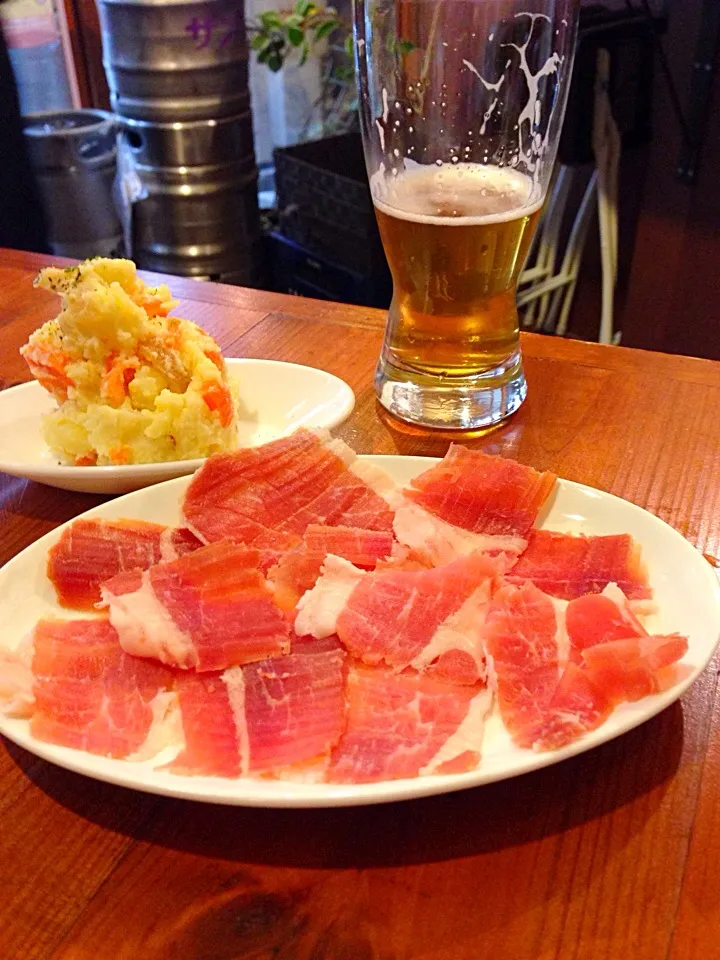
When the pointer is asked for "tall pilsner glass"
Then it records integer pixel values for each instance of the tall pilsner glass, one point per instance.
(461, 105)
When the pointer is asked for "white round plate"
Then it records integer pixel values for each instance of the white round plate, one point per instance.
(686, 590)
(275, 399)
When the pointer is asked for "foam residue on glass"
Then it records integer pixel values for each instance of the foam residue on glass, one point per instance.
(505, 103)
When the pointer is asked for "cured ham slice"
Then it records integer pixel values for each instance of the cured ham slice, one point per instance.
(482, 493)
(426, 619)
(268, 496)
(547, 702)
(521, 636)
(89, 694)
(406, 725)
(568, 567)
(598, 618)
(437, 542)
(209, 610)
(610, 673)
(299, 569)
(91, 551)
(268, 715)
(636, 667)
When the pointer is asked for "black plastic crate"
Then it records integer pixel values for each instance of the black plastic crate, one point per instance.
(324, 202)
(308, 274)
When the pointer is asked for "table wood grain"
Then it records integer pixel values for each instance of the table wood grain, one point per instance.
(614, 854)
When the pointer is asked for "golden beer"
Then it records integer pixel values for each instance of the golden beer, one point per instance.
(455, 238)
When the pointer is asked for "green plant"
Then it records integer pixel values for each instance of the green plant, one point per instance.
(277, 33)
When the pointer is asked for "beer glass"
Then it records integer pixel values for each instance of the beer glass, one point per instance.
(461, 106)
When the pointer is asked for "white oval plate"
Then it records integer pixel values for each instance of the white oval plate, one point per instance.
(275, 397)
(686, 591)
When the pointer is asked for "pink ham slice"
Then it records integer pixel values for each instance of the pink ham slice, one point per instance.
(209, 610)
(566, 566)
(598, 618)
(521, 635)
(435, 542)
(407, 724)
(91, 551)
(610, 673)
(482, 493)
(265, 716)
(267, 496)
(299, 569)
(549, 693)
(89, 694)
(427, 619)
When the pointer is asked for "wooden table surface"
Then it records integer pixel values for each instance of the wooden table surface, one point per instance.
(612, 855)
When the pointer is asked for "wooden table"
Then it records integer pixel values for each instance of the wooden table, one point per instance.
(612, 855)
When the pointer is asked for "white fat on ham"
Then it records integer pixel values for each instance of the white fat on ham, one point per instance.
(377, 479)
(166, 727)
(439, 542)
(168, 552)
(467, 737)
(319, 608)
(561, 634)
(16, 679)
(630, 609)
(234, 680)
(146, 629)
(373, 476)
(461, 631)
(338, 447)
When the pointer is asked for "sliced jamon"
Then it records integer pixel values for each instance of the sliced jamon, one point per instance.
(267, 496)
(91, 695)
(609, 673)
(482, 493)
(209, 610)
(568, 567)
(635, 667)
(599, 617)
(298, 569)
(521, 635)
(436, 542)
(546, 702)
(264, 716)
(576, 707)
(91, 551)
(405, 725)
(423, 618)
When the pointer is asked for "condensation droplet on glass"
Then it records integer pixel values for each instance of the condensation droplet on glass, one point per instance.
(455, 159)
(439, 163)
(408, 111)
(396, 152)
(397, 104)
(411, 129)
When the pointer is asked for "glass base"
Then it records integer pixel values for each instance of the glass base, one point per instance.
(452, 403)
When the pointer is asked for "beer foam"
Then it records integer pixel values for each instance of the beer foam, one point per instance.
(462, 194)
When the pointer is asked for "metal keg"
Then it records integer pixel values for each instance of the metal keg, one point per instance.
(197, 221)
(175, 60)
(73, 154)
(190, 143)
